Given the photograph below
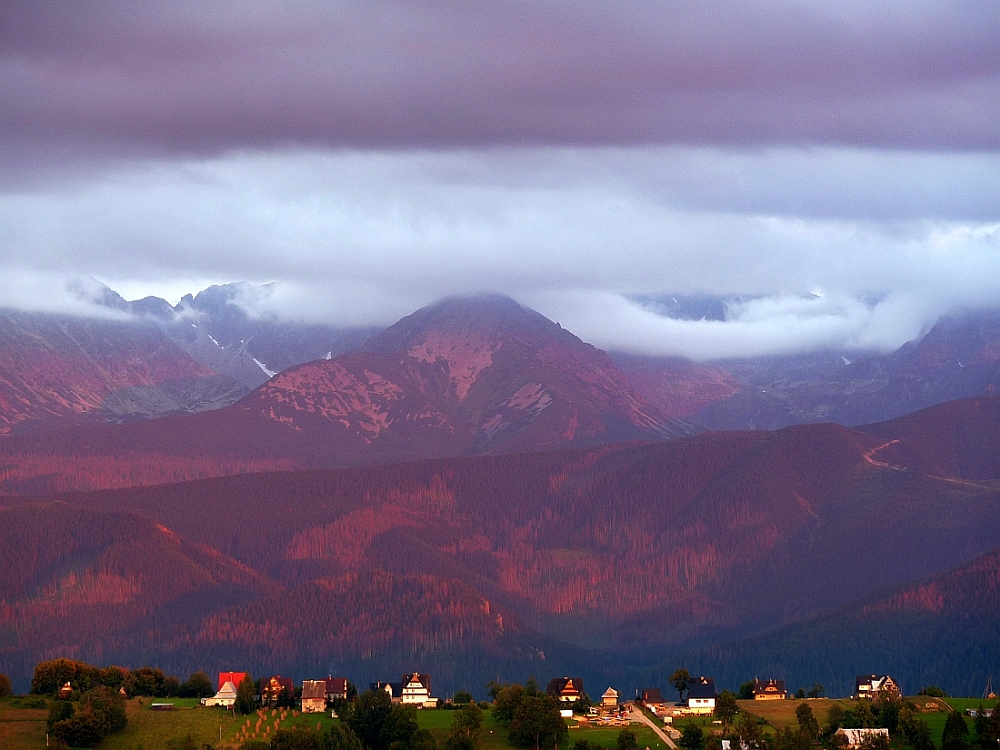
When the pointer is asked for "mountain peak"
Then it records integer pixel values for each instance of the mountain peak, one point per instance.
(486, 316)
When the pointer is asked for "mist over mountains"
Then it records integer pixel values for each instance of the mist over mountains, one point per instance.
(212, 348)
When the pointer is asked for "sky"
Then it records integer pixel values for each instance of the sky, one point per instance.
(832, 166)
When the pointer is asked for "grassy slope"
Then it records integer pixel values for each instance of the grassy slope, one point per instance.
(24, 729)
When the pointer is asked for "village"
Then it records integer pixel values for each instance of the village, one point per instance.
(763, 715)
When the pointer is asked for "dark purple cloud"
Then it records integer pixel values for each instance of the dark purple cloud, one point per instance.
(370, 157)
(197, 78)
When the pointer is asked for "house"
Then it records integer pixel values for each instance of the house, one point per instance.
(769, 690)
(417, 691)
(853, 737)
(65, 691)
(394, 689)
(226, 697)
(875, 686)
(234, 677)
(336, 688)
(270, 689)
(566, 689)
(701, 695)
(610, 698)
(652, 696)
(314, 696)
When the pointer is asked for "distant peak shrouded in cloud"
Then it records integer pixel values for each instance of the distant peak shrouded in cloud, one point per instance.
(761, 326)
(579, 156)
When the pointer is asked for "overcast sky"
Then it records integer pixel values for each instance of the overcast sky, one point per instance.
(837, 161)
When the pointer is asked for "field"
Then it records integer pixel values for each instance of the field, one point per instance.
(23, 728)
(159, 730)
(780, 714)
(495, 737)
(22, 724)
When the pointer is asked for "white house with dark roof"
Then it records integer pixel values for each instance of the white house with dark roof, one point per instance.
(701, 695)
(417, 691)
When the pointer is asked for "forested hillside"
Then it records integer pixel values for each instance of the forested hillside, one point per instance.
(636, 549)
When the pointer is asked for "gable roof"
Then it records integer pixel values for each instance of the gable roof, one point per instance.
(314, 689)
(336, 685)
(228, 690)
(565, 686)
(234, 677)
(701, 690)
(652, 695)
(768, 687)
(416, 680)
(276, 684)
(874, 682)
(610, 693)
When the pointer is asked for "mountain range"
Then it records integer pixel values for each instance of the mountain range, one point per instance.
(477, 489)
(459, 378)
(150, 359)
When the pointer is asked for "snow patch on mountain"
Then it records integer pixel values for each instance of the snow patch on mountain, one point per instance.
(267, 371)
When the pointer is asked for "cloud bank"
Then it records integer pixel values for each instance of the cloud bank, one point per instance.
(372, 158)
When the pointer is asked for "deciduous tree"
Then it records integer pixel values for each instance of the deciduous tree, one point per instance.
(246, 696)
(198, 685)
(807, 722)
(537, 723)
(506, 703)
(692, 737)
(626, 740)
(725, 707)
(681, 680)
(371, 710)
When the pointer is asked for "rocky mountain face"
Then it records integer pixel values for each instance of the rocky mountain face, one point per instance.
(958, 358)
(147, 359)
(59, 370)
(516, 380)
(447, 355)
(252, 349)
(609, 555)
(461, 377)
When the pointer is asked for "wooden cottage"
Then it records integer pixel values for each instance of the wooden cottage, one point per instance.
(566, 689)
(314, 696)
(769, 690)
(873, 687)
(271, 689)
